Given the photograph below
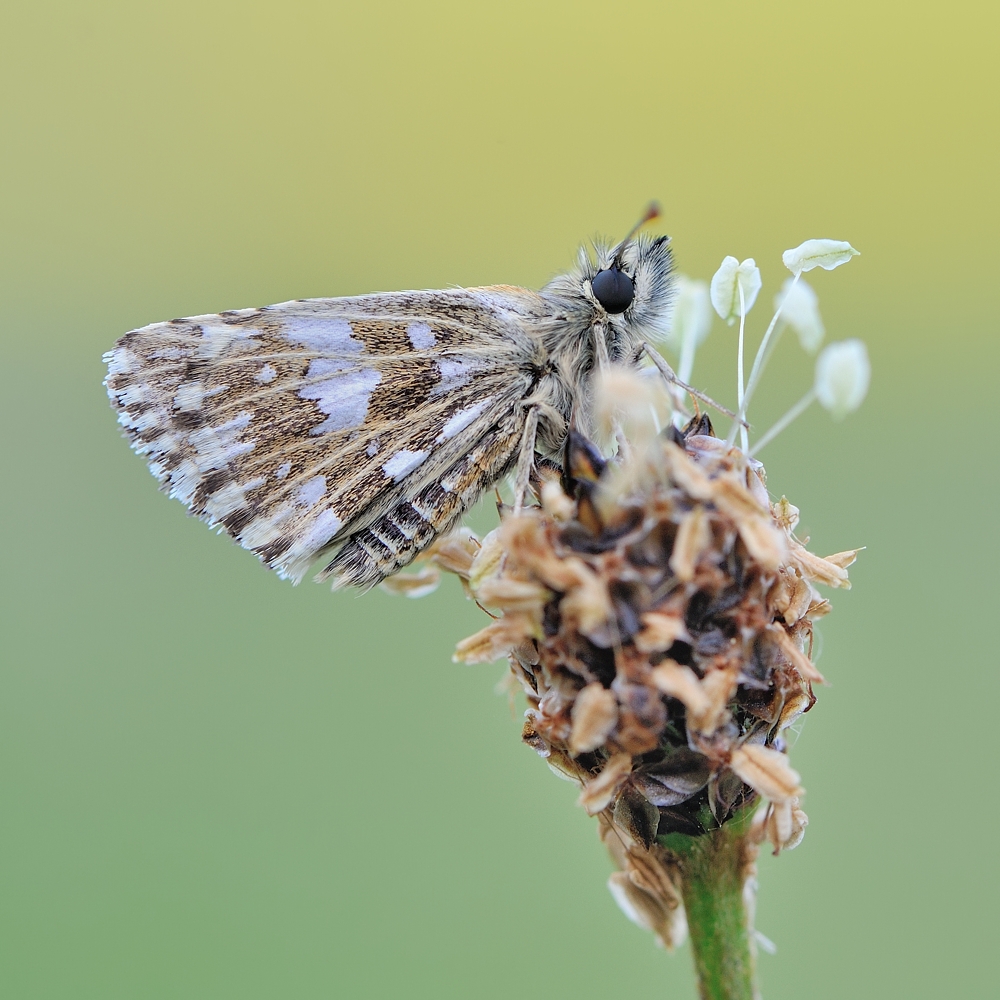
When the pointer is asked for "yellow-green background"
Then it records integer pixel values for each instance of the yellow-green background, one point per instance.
(215, 785)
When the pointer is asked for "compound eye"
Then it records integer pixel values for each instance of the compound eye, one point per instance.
(613, 288)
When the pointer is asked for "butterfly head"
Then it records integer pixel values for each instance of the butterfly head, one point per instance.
(630, 284)
(613, 288)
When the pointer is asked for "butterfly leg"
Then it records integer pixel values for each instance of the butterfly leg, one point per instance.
(525, 458)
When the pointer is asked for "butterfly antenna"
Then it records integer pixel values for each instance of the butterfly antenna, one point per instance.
(652, 212)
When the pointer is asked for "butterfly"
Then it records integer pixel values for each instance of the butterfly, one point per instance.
(357, 430)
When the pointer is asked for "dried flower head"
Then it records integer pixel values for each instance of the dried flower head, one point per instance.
(657, 609)
(658, 612)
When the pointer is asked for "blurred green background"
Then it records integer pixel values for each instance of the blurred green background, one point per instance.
(215, 785)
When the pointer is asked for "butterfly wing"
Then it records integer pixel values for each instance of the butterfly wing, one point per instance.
(359, 427)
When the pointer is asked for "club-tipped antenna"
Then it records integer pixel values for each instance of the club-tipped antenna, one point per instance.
(652, 212)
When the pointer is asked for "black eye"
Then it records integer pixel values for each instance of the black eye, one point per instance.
(613, 288)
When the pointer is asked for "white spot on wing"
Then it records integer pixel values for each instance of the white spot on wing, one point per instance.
(282, 470)
(343, 397)
(141, 423)
(298, 558)
(229, 498)
(121, 361)
(403, 463)
(171, 353)
(323, 529)
(225, 500)
(457, 422)
(311, 492)
(454, 373)
(184, 480)
(421, 336)
(189, 396)
(372, 450)
(138, 392)
(266, 527)
(259, 532)
(267, 374)
(323, 335)
(217, 446)
(216, 338)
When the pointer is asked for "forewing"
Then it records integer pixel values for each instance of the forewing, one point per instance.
(363, 425)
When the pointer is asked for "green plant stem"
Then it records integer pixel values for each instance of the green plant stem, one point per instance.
(714, 869)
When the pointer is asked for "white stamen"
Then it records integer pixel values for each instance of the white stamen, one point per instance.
(690, 324)
(739, 372)
(799, 408)
(826, 254)
(723, 290)
(842, 376)
(755, 373)
(799, 306)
